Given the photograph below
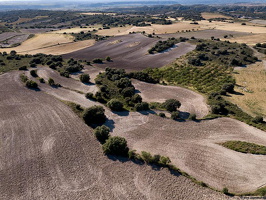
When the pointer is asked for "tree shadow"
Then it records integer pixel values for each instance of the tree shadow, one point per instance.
(35, 89)
(89, 84)
(147, 112)
(237, 93)
(123, 113)
(110, 123)
(184, 115)
(137, 91)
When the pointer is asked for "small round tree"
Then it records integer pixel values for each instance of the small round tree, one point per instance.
(94, 115)
(228, 87)
(171, 105)
(31, 84)
(175, 115)
(102, 133)
(115, 105)
(33, 73)
(115, 146)
(51, 82)
(84, 78)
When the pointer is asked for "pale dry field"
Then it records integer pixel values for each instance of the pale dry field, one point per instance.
(47, 152)
(95, 13)
(207, 15)
(205, 24)
(252, 84)
(192, 146)
(78, 29)
(50, 43)
(249, 40)
(154, 28)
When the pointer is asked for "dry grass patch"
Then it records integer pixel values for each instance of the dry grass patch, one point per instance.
(204, 24)
(154, 28)
(64, 48)
(94, 13)
(207, 15)
(78, 29)
(252, 84)
(41, 41)
(250, 39)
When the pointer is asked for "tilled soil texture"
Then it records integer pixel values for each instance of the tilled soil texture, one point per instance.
(191, 102)
(130, 52)
(47, 152)
(192, 146)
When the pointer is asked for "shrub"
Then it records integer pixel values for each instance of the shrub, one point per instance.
(258, 119)
(192, 117)
(147, 157)
(23, 78)
(51, 82)
(142, 106)
(128, 92)
(171, 105)
(164, 161)
(225, 190)
(31, 84)
(94, 115)
(162, 115)
(42, 80)
(102, 133)
(136, 98)
(108, 58)
(23, 68)
(89, 95)
(97, 60)
(84, 78)
(116, 146)
(115, 105)
(175, 115)
(33, 73)
(228, 87)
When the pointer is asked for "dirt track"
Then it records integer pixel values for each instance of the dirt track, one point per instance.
(192, 146)
(47, 152)
(130, 52)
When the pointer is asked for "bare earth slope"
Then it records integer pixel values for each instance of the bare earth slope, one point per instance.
(47, 152)
(192, 146)
(191, 102)
(130, 52)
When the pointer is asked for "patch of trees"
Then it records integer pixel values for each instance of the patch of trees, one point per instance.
(87, 36)
(261, 47)
(117, 91)
(161, 46)
(143, 76)
(245, 147)
(94, 115)
(221, 52)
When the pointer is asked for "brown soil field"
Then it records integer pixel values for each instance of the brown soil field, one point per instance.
(47, 152)
(258, 21)
(95, 13)
(192, 146)
(35, 30)
(131, 53)
(207, 15)
(191, 102)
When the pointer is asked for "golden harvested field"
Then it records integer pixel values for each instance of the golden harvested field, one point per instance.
(154, 28)
(78, 29)
(250, 39)
(95, 13)
(252, 83)
(50, 43)
(205, 24)
(207, 15)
